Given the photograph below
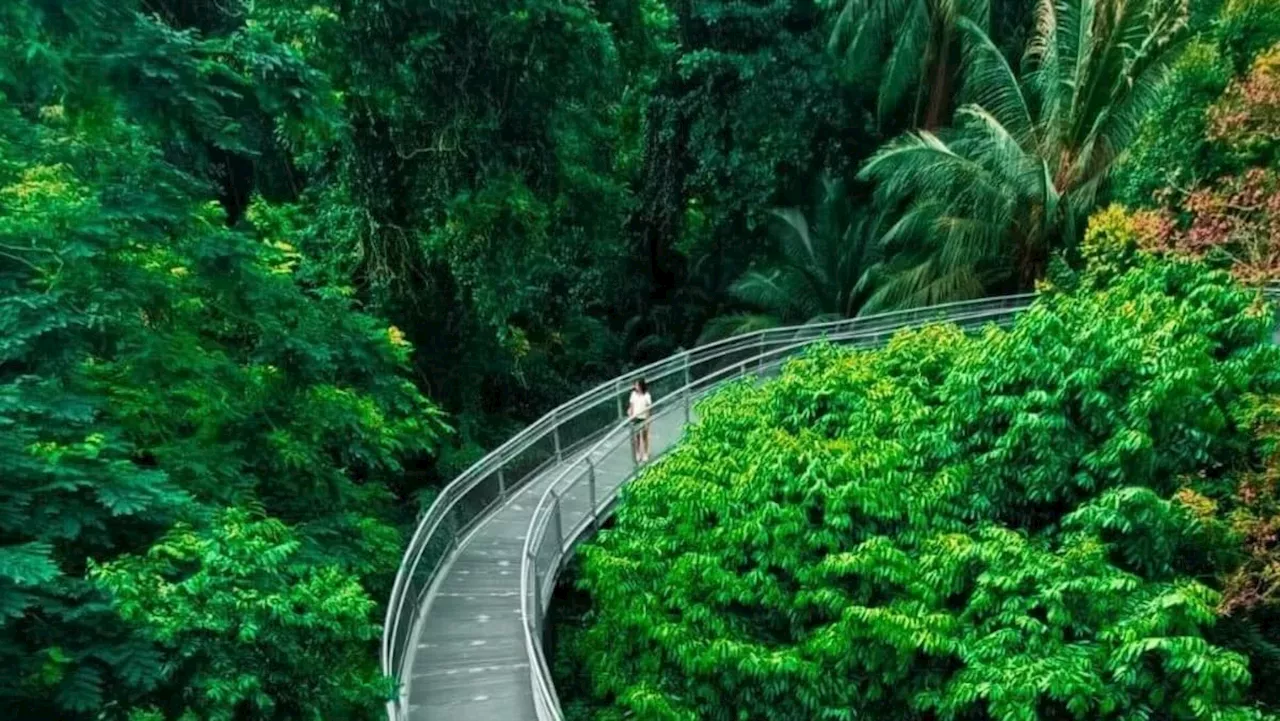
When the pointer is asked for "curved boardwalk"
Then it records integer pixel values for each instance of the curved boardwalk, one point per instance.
(470, 662)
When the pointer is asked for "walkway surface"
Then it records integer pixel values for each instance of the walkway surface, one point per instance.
(470, 663)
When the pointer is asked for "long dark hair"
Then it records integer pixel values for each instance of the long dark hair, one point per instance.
(644, 387)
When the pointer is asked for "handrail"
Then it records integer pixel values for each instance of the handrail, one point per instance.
(544, 554)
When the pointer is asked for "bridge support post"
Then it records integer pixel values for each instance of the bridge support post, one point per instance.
(760, 355)
(617, 395)
(502, 478)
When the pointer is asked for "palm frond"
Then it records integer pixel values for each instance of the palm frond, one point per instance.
(905, 66)
(925, 283)
(923, 165)
(858, 37)
(978, 12)
(1022, 169)
(825, 267)
(997, 149)
(1041, 66)
(797, 245)
(969, 241)
(774, 290)
(991, 83)
(1075, 42)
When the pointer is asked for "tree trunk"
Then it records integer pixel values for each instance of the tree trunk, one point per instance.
(656, 222)
(940, 82)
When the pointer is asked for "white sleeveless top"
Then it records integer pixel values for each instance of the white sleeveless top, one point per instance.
(639, 404)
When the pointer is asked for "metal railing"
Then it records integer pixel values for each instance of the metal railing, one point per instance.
(584, 494)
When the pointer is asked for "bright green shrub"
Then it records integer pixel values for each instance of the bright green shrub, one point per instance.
(952, 527)
(250, 627)
(157, 366)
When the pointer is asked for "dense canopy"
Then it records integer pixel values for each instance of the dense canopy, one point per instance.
(272, 272)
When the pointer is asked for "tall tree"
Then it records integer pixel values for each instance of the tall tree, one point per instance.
(468, 196)
(824, 271)
(908, 51)
(749, 116)
(983, 204)
(158, 365)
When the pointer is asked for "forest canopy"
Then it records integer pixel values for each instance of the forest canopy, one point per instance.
(272, 272)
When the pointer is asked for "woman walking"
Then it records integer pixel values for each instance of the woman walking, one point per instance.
(638, 411)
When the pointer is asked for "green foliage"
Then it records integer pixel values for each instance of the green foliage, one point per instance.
(824, 274)
(157, 365)
(986, 203)
(750, 115)
(73, 486)
(1244, 29)
(907, 51)
(1171, 148)
(250, 250)
(249, 627)
(1186, 138)
(953, 527)
(467, 195)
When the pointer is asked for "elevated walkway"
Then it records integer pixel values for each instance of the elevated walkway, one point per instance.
(464, 625)
(470, 660)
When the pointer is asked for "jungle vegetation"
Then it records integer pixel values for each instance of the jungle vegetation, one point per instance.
(273, 271)
(1069, 519)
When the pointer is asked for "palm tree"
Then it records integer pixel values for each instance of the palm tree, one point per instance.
(906, 49)
(984, 204)
(824, 273)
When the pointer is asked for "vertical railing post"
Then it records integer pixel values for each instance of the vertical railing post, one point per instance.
(760, 354)
(559, 528)
(537, 591)
(502, 476)
(591, 492)
(617, 395)
(686, 389)
(555, 434)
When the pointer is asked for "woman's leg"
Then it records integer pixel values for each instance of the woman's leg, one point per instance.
(635, 442)
(644, 440)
